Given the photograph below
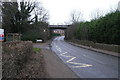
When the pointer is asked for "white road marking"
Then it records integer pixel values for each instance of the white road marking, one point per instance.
(86, 56)
(75, 63)
(71, 57)
(59, 49)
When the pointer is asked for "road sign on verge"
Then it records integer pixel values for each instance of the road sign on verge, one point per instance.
(1, 34)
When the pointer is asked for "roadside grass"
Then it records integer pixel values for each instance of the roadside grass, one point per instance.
(36, 49)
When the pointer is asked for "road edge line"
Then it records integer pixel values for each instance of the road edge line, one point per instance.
(96, 50)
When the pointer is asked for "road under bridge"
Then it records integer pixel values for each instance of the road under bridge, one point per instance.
(58, 29)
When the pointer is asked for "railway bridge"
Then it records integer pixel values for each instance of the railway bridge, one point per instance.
(56, 30)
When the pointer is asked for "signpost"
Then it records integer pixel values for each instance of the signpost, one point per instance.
(1, 34)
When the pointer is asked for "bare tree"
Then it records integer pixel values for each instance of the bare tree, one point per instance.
(76, 16)
(118, 8)
(113, 8)
(9, 10)
(41, 14)
(96, 14)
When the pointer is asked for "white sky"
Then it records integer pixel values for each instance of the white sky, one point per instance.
(60, 10)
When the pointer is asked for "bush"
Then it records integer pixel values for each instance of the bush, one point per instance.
(14, 57)
(36, 31)
(31, 36)
(103, 30)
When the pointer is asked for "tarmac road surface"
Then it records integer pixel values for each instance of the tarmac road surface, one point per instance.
(85, 63)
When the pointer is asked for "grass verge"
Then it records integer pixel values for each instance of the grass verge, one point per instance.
(36, 49)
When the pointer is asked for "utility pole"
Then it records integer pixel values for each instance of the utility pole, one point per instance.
(0, 14)
(0, 41)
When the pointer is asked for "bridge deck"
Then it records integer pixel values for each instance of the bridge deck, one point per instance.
(58, 26)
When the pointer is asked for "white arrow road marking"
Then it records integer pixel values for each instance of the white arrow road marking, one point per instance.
(72, 58)
(58, 48)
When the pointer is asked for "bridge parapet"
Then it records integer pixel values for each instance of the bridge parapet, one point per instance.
(58, 26)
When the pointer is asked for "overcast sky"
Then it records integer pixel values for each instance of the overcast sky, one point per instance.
(60, 10)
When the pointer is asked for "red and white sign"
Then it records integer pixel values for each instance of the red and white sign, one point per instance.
(1, 34)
